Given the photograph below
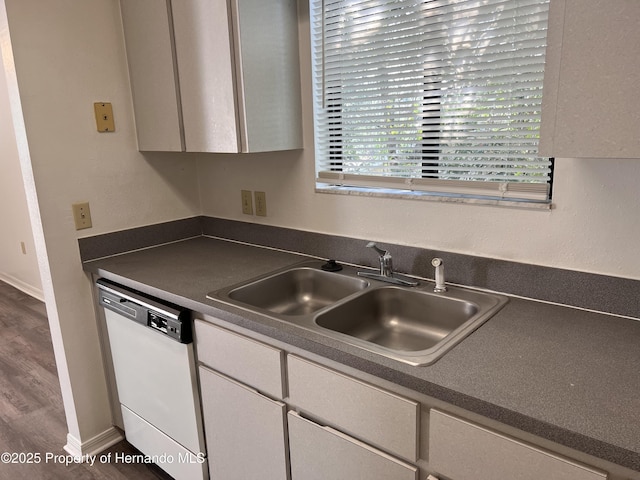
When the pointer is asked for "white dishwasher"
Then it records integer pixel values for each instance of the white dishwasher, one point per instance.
(155, 374)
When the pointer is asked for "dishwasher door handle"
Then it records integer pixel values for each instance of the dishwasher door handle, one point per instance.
(123, 306)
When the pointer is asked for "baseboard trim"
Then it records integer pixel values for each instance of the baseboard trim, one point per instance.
(22, 286)
(94, 445)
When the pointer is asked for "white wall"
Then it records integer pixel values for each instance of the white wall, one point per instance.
(16, 268)
(593, 227)
(69, 54)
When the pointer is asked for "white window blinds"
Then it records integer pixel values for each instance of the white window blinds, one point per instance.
(430, 95)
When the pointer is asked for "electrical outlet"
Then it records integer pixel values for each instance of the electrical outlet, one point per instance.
(81, 215)
(261, 204)
(247, 202)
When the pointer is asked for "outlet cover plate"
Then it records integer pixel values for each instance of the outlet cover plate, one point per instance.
(247, 202)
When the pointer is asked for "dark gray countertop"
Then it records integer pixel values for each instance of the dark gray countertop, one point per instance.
(564, 374)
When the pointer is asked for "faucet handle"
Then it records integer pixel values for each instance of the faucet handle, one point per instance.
(382, 253)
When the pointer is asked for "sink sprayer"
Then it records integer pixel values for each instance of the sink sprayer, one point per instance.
(439, 265)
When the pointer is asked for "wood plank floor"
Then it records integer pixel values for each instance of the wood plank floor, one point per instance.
(32, 418)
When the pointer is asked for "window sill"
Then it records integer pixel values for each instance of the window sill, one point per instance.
(433, 197)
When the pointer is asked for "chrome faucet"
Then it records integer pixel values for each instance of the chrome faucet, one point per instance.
(386, 269)
(386, 262)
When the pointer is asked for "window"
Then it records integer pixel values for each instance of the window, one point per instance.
(435, 97)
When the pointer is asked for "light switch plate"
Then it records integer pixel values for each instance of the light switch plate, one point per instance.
(104, 117)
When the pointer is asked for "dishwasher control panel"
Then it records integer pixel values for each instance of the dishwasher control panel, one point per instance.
(169, 326)
(154, 313)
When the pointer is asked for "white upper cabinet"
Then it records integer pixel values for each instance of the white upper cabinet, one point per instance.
(214, 75)
(151, 73)
(590, 105)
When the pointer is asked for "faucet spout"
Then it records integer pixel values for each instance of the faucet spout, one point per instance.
(386, 261)
(386, 269)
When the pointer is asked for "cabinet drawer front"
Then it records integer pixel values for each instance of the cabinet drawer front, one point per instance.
(364, 411)
(321, 453)
(253, 363)
(245, 431)
(464, 451)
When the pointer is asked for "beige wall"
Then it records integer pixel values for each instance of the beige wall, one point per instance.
(593, 227)
(16, 268)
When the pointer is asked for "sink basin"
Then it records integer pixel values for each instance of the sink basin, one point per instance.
(398, 319)
(415, 326)
(298, 291)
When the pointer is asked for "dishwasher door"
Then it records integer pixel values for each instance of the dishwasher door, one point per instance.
(156, 379)
(155, 376)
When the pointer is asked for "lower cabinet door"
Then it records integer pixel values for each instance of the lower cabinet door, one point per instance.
(322, 453)
(245, 431)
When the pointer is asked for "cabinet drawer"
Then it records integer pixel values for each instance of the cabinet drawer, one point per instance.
(252, 363)
(321, 453)
(364, 411)
(464, 451)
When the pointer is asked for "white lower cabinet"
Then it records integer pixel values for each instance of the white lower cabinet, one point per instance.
(322, 453)
(245, 431)
(376, 416)
(461, 450)
(243, 359)
(339, 427)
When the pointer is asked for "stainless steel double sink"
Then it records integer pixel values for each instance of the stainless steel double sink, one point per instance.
(411, 324)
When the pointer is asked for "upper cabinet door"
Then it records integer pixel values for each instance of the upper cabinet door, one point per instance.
(206, 71)
(156, 104)
(268, 74)
(591, 107)
(214, 75)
